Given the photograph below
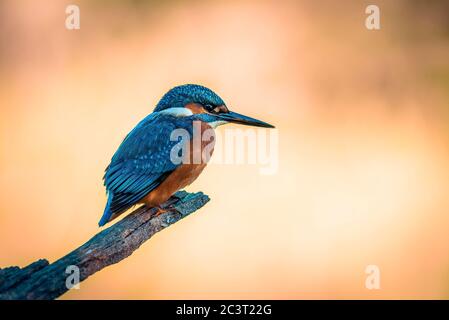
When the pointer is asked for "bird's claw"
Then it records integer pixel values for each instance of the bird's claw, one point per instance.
(159, 211)
(170, 202)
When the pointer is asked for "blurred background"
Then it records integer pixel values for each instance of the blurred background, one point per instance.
(362, 116)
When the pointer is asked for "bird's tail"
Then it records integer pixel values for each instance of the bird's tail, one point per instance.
(107, 212)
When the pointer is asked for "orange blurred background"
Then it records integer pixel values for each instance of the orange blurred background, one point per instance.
(363, 133)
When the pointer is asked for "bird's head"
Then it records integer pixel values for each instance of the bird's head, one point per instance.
(204, 104)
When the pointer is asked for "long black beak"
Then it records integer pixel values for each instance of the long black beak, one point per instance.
(235, 117)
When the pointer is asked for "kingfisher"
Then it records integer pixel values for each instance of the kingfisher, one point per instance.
(145, 168)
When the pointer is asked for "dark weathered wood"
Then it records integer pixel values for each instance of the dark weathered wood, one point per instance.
(41, 280)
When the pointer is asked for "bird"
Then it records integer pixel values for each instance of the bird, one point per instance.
(143, 170)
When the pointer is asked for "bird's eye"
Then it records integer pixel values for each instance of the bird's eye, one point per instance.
(209, 108)
(217, 109)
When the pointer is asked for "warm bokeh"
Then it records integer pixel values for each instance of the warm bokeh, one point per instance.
(363, 143)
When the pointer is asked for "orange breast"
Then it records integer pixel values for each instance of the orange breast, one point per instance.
(183, 175)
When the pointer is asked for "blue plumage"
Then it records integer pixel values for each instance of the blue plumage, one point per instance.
(142, 161)
(179, 96)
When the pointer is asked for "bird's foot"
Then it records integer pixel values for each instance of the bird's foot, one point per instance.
(167, 206)
(173, 199)
(170, 202)
(160, 210)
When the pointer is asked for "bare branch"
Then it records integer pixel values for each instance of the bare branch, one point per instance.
(41, 280)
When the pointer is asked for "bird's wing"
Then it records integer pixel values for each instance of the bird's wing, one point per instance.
(140, 164)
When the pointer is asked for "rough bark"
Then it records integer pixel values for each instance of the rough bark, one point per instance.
(41, 280)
